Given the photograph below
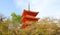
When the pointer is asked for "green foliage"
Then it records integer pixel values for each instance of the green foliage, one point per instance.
(16, 18)
(46, 26)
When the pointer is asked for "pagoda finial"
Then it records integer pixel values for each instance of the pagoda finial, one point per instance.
(28, 6)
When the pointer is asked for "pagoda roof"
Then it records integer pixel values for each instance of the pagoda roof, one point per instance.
(28, 12)
(29, 18)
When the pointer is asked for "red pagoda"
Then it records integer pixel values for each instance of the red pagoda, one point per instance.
(28, 16)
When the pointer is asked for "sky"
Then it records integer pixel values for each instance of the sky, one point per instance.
(46, 8)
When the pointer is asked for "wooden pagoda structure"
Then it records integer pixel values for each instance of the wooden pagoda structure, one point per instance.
(28, 16)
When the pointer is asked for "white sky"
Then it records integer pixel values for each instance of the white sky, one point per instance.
(46, 8)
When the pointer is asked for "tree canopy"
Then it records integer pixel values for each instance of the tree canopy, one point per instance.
(16, 18)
